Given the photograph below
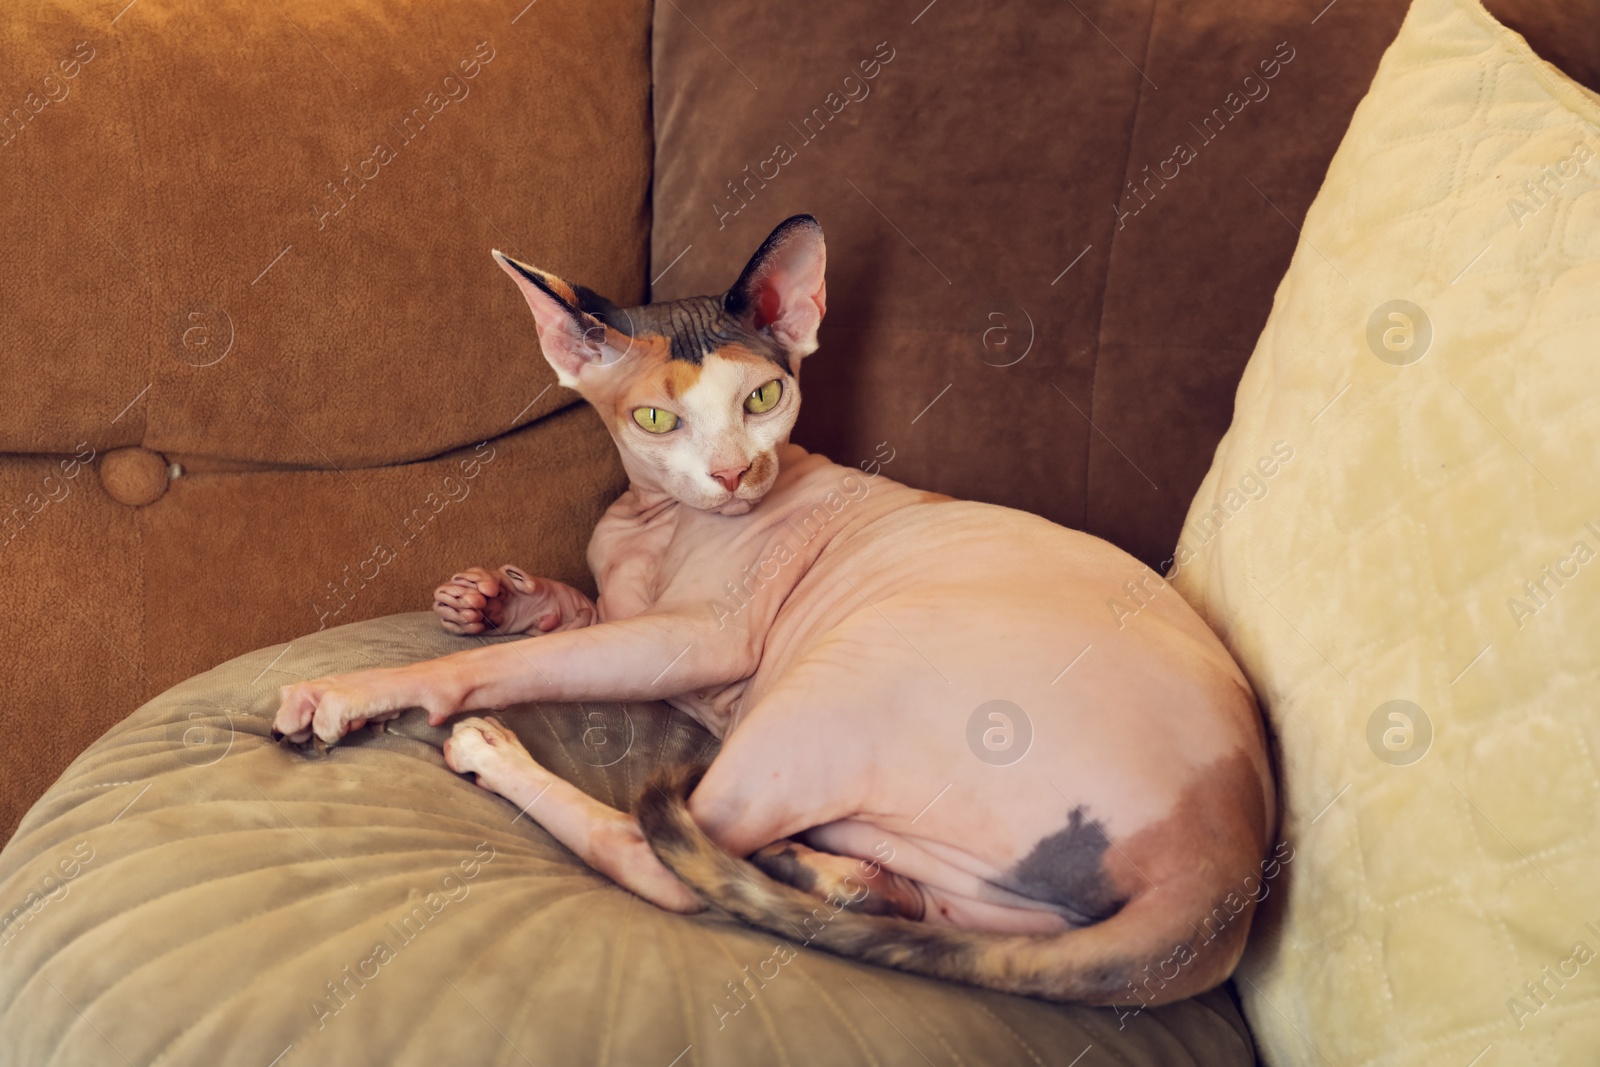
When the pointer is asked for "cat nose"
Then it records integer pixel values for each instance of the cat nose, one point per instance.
(729, 476)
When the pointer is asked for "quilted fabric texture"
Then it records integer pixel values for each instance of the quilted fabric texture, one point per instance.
(191, 893)
(1398, 539)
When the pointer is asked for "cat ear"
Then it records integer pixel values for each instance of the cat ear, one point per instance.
(782, 289)
(572, 339)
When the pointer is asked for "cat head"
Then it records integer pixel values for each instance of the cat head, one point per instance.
(698, 393)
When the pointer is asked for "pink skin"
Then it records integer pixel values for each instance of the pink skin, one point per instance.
(841, 681)
(604, 838)
(509, 601)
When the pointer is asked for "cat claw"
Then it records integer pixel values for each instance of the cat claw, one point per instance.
(312, 747)
(315, 747)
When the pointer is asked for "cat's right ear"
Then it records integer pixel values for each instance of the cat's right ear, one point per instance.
(782, 290)
(572, 339)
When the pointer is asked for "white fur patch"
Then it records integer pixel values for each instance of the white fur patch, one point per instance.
(713, 408)
(720, 434)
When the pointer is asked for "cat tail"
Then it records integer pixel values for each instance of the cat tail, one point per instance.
(1148, 953)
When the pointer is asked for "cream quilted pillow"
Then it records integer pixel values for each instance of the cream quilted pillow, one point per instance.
(1400, 541)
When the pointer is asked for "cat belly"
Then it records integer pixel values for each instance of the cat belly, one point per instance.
(955, 889)
(884, 677)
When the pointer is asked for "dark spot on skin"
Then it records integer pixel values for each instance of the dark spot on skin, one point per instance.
(692, 327)
(577, 313)
(1067, 869)
(784, 864)
(664, 795)
(760, 468)
(695, 325)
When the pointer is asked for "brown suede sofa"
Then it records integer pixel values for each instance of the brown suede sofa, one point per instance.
(261, 378)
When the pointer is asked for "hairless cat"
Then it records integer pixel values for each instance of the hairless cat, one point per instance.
(940, 751)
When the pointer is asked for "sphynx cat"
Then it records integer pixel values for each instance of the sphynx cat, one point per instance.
(846, 638)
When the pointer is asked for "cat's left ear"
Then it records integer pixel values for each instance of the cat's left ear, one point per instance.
(782, 289)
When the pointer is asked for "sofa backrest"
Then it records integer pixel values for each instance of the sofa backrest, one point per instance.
(248, 245)
(1054, 231)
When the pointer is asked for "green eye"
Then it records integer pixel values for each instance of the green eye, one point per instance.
(765, 398)
(654, 420)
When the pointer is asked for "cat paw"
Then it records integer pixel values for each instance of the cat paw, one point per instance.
(509, 601)
(486, 747)
(472, 601)
(331, 707)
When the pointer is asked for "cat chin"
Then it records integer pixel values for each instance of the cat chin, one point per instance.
(728, 505)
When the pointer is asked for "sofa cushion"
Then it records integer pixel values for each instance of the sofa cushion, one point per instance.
(217, 353)
(191, 893)
(262, 231)
(111, 603)
(1397, 540)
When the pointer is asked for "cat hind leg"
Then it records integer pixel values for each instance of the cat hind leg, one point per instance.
(863, 885)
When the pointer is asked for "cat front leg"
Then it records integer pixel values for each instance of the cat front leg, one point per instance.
(662, 653)
(334, 705)
(645, 657)
(608, 840)
(509, 600)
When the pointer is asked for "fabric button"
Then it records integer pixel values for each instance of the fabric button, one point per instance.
(134, 476)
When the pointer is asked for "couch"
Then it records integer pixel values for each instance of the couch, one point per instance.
(262, 380)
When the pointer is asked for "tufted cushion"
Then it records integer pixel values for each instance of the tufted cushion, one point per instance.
(1398, 539)
(109, 604)
(134, 476)
(188, 890)
(199, 279)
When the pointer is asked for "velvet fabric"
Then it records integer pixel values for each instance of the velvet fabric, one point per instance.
(1053, 232)
(252, 242)
(373, 909)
